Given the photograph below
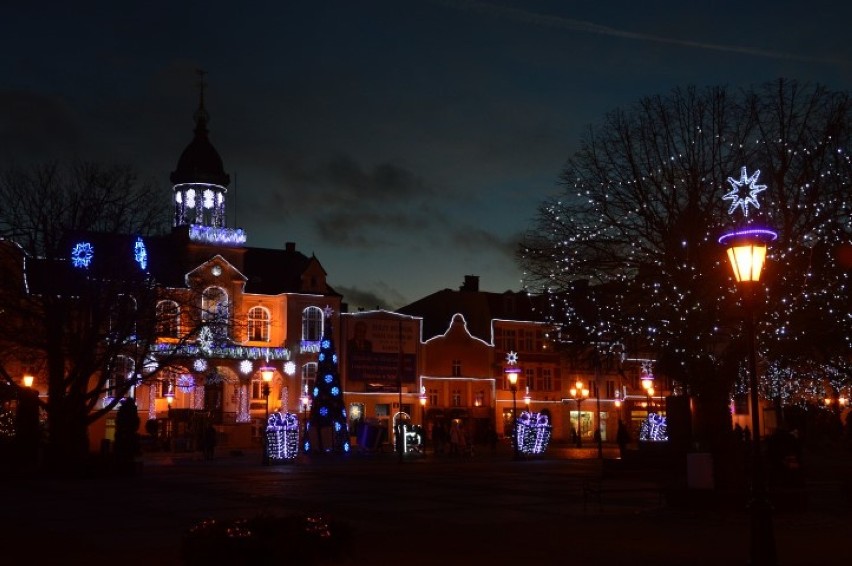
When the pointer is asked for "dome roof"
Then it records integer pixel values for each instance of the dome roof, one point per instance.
(200, 162)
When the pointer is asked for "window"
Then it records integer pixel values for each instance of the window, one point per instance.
(456, 397)
(433, 397)
(529, 341)
(312, 324)
(479, 399)
(120, 373)
(168, 319)
(309, 375)
(457, 368)
(215, 311)
(546, 379)
(610, 389)
(529, 374)
(167, 387)
(122, 317)
(257, 388)
(258, 324)
(509, 343)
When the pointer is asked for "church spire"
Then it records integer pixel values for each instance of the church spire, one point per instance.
(201, 116)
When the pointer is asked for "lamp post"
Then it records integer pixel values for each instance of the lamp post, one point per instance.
(747, 254)
(578, 392)
(305, 400)
(266, 374)
(423, 419)
(512, 370)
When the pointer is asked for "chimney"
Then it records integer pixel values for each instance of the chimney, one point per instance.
(290, 247)
(471, 283)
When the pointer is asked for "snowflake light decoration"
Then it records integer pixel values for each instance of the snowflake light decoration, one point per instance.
(82, 254)
(199, 364)
(246, 367)
(744, 191)
(290, 368)
(512, 358)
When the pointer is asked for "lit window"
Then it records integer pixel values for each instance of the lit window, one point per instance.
(215, 311)
(120, 373)
(258, 324)
(312, 324)
(168, 319)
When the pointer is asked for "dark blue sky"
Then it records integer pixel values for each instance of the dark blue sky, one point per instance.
(406, 143)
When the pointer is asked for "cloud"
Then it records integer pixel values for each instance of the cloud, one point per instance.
(479, 240)
(570, 24)
(384, 298)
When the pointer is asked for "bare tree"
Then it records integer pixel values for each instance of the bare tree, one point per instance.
(88, 327)
(629, 251)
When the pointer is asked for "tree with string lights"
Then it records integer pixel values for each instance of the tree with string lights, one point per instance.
(628, 250)
(327, 429)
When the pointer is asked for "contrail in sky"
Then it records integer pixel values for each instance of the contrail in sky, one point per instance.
(589, 27)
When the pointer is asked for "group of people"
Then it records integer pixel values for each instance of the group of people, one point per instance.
(456, 440)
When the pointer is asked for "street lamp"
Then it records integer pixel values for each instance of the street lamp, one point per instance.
(747, 254)
(578, 392)
(527, 398)
(28, 380)
(266, 373)
(423, 419)
(512, 370)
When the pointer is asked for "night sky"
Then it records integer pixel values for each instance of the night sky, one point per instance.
(406, 143)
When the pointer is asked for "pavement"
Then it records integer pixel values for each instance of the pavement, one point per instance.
(486, 508)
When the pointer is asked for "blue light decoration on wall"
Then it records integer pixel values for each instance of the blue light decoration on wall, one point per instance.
(82, 254)
(654, 429)
(140, 254)
(282, 436)
(534, 432)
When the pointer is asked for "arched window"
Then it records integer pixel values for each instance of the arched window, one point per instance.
(215, 311)
(312, 324)
(168, 319)
(258, 324)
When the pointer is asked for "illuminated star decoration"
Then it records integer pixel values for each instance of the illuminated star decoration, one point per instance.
(512, 358)
(737, 194)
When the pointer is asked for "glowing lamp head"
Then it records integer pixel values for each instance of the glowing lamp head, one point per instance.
(512, 375)
(827, 401)
(266, 373)
(650, 391)
(28, 380)
(747, 252)
(617, 403)
(422, 400)
(647, 381)
(527, 399)
(170, 398)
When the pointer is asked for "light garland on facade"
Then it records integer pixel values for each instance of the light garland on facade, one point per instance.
(221, 351)
(217, 235)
